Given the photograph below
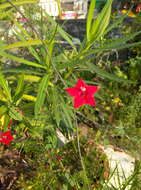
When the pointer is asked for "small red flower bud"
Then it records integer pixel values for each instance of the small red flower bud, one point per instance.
(9, 124)
(59, 158)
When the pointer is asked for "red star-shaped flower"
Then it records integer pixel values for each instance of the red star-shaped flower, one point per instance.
(82, 93)
(6, 137)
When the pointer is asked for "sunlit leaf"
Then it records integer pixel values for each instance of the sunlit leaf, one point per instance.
(41, 94)
(4, 85)
(15, 114)
(104, 74)
(17, 3)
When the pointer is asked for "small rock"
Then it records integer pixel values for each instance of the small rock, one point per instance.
(121, 166)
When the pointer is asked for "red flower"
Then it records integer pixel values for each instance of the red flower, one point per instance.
(138, 8)
(59, 158)
(6, 137)
(83, 94)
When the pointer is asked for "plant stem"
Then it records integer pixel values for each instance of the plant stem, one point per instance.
(81, 158)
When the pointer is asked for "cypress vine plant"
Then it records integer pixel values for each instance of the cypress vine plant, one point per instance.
(48, 68)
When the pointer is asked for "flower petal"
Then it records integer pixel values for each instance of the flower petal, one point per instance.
(80, 83)
(72, 91)
(78, 101)
(90, 101)
(6, 137)
(91, 89)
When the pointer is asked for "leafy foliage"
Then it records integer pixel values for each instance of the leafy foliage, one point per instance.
(36, 66)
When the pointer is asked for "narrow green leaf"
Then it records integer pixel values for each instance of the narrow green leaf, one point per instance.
(94, 68)
(2, 46)
(14, 114)
(111, 43)
(67, 116)
(103, 26)
(3, 110)
(25, 43)
(6, 121)
(67, 113)
(108, 48)
(29, 97)
(64, 34)
(20, 60)
(20, 88)
(21, 70)
(3, 96)
(17, 3)
(90, 18)
(4, 85)
(115, 23)
(123, 46)
(20, 84)
(22, 35)
(41, 94)
(56, 106)
(101, 22)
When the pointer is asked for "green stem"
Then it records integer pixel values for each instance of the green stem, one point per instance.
(81, 158)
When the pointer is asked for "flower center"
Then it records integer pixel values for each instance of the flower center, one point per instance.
(4, 137)
(83, 89)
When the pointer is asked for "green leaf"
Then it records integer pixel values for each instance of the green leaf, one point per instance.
(22, 35)
(101, 22)
(41, 94)
(2, 46)
(3, 96)
(19, 85)
(14, 114)
(94, 68)
(20, 70)
(20, 88)
(67, 113)
(67, 116)
(110, 48)
(29, 97)
(16, 3)
(64, 34)
(115, 23)
(56, 105)
(20, 60)
(113, 43)
(4, 85)
(3, 110)
(23, 43)
(90, 18)
(123, 46)
(6, 121)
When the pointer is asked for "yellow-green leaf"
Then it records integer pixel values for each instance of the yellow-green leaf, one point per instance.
(3, 110)
(17, 3)
(4, 85)
(41, 94)
(29, 97)
(15, 114)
